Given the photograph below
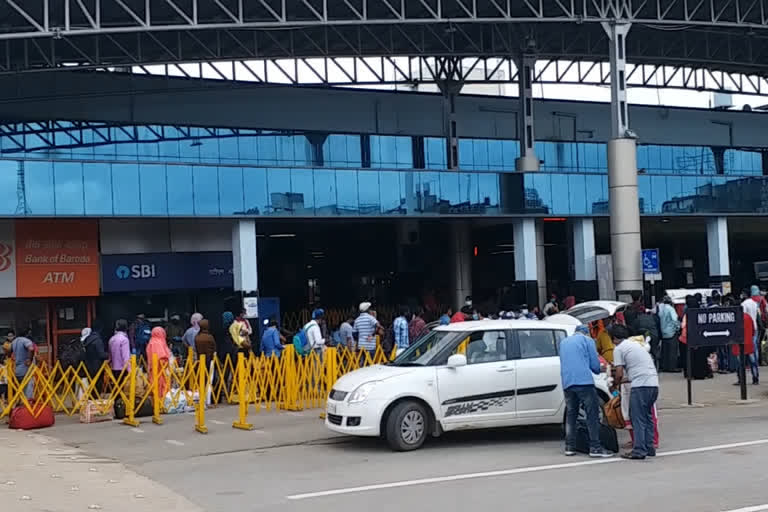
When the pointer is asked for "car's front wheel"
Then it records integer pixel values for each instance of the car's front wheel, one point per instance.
(407, 426)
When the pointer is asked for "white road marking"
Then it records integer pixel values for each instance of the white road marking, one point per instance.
(137, 431)
(174, 442)
(756, 508)
(217, 422)
(516, 471)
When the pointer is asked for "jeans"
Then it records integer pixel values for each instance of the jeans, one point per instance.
(29, 388)
(724, 358)
(586, 396)
(641, 401)
(753, 366)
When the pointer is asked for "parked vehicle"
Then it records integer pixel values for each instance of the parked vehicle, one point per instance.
(467, 375)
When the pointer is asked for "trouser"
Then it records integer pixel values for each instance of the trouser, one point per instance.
(754, 367)
(724, 358)
(641, 401)
(30, 387)
(668, 360)
(576, 396)
(365, 355)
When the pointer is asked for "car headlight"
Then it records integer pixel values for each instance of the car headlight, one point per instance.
(361, 393)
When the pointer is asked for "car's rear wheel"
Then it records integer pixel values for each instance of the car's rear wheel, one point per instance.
(407, 426)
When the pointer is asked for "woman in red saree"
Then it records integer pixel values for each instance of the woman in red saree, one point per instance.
(158, 347)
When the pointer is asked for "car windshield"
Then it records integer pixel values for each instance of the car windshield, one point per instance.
(426, 348)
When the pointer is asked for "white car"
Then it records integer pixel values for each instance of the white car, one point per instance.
(467, 375)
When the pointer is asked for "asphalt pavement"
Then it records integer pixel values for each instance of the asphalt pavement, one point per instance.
(711, 459)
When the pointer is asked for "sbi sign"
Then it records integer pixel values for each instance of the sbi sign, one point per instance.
(146, 271)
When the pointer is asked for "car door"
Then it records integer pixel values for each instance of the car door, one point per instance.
(482, 393)
(539, 388)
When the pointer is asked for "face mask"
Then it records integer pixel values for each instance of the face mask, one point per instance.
(525, 312)
(475, 317)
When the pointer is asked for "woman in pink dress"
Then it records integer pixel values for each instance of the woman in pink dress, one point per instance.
(158, 347)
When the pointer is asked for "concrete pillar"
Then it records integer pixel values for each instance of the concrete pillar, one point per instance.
(626, 247)
(541, 267)
(719, 257)
(584, 285)
(527, 259)
(450, 90)
(528, 160)
(461, 263)
(246, 275)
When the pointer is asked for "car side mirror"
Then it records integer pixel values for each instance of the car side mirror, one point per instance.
(457, 360)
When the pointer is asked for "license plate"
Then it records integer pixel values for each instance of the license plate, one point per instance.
(332, 408)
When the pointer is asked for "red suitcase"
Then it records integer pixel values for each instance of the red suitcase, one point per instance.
(39, 417)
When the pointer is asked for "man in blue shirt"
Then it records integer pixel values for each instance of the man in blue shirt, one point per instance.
(400, 330)
(270, 340)
(445, 319)
(578, 363)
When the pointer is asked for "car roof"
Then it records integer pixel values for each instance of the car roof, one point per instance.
(492, 325)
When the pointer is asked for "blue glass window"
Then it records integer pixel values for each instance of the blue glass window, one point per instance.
(206, 190)
(8, 179)
(126, 189)
(68, 188)
(180, 190)
(153, 182)
(97, 180)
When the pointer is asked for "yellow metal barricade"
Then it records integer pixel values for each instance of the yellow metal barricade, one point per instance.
(202, 387)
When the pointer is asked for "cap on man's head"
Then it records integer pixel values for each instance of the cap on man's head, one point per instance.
(754, 290)
(318, 313)
(365, 306)
(582, 329)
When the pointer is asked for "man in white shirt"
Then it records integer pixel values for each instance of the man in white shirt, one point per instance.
(750, 307)
(314, 334)
(635, 362)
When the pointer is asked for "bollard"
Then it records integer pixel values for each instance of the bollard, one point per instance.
(331, 368)
(291, 402)
(156, 419)
(130, 404)
(242, 394)
(202, 386)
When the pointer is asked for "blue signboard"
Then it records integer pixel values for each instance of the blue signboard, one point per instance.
(166, 271)
(651, 261)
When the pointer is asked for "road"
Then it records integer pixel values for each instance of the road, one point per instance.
(711, 459)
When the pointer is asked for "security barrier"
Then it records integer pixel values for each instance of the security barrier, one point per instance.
(290, 382)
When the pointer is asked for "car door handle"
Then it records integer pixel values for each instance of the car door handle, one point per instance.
(503, 369)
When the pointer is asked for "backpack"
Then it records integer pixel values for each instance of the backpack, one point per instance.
(142, 336)
(301, 341)
(72, 353)
(612, 413)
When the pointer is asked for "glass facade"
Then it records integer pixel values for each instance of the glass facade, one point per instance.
(69, 169)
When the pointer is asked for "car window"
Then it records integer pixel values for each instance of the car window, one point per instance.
(559, 336)
(486, 347)
(536, 343)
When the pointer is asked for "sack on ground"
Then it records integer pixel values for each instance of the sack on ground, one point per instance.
(40, 416)
(144, 411)
(612, 413)
(96, 411)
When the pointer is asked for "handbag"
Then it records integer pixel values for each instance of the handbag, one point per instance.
(612, 413)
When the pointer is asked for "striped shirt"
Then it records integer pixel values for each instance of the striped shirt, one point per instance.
(365, 327)
(400, 328)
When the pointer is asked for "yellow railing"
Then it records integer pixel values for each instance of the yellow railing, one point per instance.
(290, 382)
